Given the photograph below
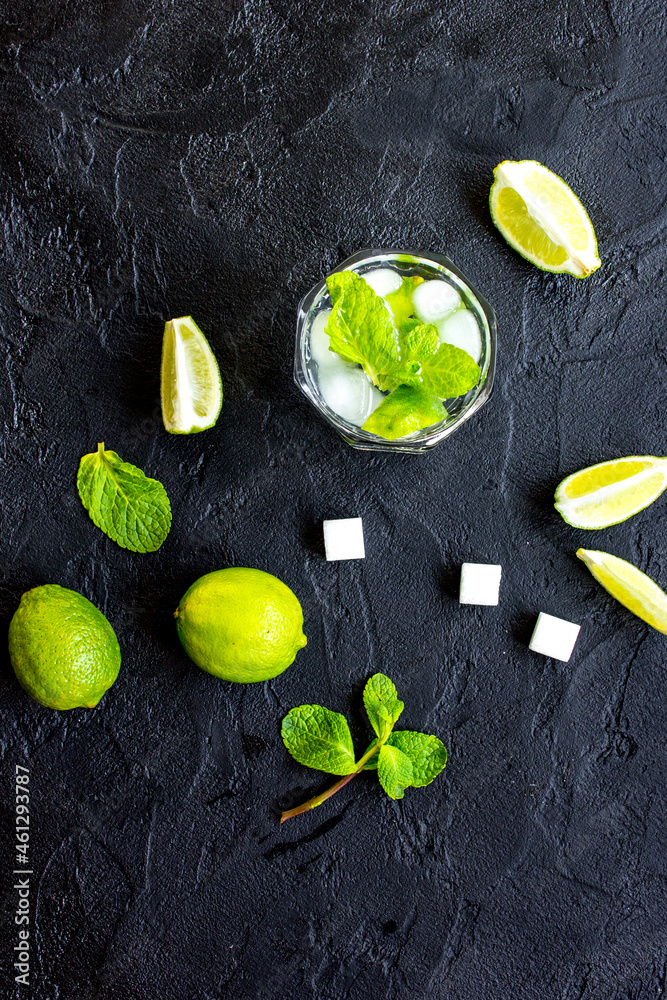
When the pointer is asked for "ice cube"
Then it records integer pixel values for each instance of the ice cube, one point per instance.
(480, 583)
(462, 330)
(319, 342)
(554, 637)
(433, 300)
(344, 539)
(383, 281)
(349, 392)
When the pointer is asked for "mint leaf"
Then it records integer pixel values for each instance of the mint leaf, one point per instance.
(449, 372)
(126, 505)
(418, 342)
(319, 738)
(415, 344)
(382, 704)
(394, 771)
(404, 410)
(427, 754)
(360, 327)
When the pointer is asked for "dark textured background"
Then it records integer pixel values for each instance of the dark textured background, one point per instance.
(217, 159)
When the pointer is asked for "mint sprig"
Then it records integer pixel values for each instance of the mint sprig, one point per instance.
(321, 739)
(361, 330)
(133, 510)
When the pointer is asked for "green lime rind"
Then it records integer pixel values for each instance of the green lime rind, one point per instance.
(64, 652)
(240, 624)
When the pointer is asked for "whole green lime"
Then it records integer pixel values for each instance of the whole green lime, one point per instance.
(240, 624)
(63, 650)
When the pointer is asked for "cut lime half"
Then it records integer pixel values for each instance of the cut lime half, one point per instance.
(542, 218)
(190, 383)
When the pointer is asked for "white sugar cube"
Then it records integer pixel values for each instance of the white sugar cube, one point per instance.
(344, 539)
(383, 281)
(554, 637)
(435, 299)
(480, 583)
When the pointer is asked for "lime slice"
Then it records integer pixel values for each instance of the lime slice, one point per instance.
(542, 218)
(610, 492)
(190, 383)
(634, 589)
(403, 411)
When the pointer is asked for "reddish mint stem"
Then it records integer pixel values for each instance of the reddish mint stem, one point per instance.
(317, 800)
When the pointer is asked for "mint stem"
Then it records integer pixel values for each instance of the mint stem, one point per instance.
(317, 800)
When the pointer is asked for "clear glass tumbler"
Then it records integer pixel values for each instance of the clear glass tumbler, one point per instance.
(428, 266)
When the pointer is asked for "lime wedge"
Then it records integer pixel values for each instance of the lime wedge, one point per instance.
(403, 411)
(634, 589)
(542, 218)
(611, 492)
(190, 383)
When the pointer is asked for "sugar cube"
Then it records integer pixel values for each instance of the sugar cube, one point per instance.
(554, 637)
(344, 539)
(480, 583)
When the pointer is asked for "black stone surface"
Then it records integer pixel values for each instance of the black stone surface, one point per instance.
(161, 158)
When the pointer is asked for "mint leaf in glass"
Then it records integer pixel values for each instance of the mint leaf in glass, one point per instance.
(418, 342)
(401, 304)
(382, 704)
(133, 510)
(406, 409)
(319, 739)
(394, 771)
(415, 344)
(360, 327)
(449, 372)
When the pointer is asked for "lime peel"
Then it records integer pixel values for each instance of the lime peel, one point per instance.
(240, 624)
